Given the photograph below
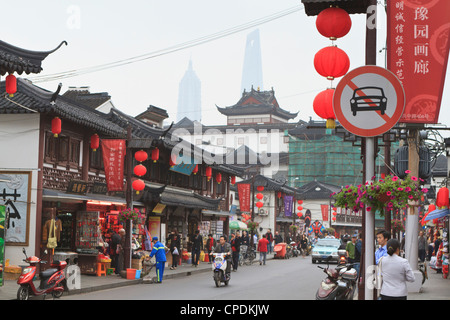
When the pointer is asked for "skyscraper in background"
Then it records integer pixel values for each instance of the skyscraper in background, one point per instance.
(189, 96)
(252, 70)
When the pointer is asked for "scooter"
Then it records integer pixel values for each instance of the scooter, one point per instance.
(340, 283)
(53, 280)
(219, 268)
(295, 250)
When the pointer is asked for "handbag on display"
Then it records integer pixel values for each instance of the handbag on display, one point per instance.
(52, 241)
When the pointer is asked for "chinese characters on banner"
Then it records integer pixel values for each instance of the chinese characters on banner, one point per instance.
(418, 48)
(324, 208)
(244, 196)
(113, 159)
(288, 204)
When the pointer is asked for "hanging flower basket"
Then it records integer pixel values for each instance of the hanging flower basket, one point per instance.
(388, 193)
(397, 225)
(252, 225)
(131, 214)
(293, 228)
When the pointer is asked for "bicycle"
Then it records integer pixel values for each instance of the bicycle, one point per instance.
(246, 255)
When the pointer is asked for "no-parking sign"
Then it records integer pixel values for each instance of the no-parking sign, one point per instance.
(369, 101)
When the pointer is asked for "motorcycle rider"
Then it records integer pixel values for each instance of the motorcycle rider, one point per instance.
(224, 247)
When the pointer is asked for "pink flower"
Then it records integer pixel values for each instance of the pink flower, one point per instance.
(369, 208)
(413, 178)
(394, 178)
(400, 189)
(407, 189)
(408, 171)
(388, 193)
(410, 197)
(424, 190)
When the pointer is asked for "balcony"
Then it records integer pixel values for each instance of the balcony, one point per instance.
(59, 179)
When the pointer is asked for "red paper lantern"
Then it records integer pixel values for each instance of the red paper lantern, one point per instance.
(138, 185)
(95, 142)
(233, 179)
(323, 107)
(195, 170)
(442, 198)
(260, 196)
(140, 170)
(334, 218)
(155, 155)
(141, 155)
(299, 201)
(11, 85)
(56, 126)
(260, 188)
(334, 213)
(299, 214)
(333, 23)
(279, 194)
(299, 208)
(208, 173)
(219, 177)
(331, 62)
(259, 204)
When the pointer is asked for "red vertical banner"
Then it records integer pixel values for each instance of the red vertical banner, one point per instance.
(114, 160)
(324, 208)
(418, 33)
(244, 196)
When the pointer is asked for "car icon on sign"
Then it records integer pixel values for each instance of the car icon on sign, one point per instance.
(368, 99)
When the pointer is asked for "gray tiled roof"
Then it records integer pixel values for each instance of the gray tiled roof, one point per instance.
(17, 60)
(313, 7)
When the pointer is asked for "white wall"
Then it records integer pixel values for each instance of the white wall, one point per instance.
(19, 143)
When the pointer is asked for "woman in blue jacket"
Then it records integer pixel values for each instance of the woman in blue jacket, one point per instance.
(159, 251)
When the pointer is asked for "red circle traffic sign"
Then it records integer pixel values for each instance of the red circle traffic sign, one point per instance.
(369, 101)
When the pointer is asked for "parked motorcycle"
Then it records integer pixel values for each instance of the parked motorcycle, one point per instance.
(294, 249)
(53, 280)
(219, 268)
(340, 283)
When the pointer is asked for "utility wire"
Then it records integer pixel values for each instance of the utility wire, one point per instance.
(168, 50)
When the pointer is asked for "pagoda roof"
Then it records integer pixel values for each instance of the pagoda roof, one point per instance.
(84, 96)
(257, 102)
(17, 60)
(30, 98)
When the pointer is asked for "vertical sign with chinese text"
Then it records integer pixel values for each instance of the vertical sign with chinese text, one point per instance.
(114, 160)
(244, 196)
(418, 48)
(288, 203)
(324, 208)
(2, 242)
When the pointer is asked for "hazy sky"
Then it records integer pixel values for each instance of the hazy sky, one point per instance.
(100, 32)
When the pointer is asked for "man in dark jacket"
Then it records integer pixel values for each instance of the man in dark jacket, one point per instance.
(235, 247)
(269, 237)
(224, 247)
(278, 238)
(197, 246)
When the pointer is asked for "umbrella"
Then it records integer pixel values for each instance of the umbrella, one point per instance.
(236, 224)
(436, 214)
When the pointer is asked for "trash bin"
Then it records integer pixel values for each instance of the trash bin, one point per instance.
(280, 250)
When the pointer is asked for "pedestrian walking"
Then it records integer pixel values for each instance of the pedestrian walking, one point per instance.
(278, 239)
(269, 237)
(422, 246)
(210, 244)
(159, 251)
(304, 245)
(113, 250)
(350, 248)
(245, 240)
(395, 272)
(235, 248)
(262, 248)
(197, 246)
(175, 249)
(382, 238)
(358, 251)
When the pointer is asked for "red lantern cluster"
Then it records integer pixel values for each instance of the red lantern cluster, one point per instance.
(442, 198)
(334, 213)
(245, 217)
(299, 208)
(139, 170)
(331, 62)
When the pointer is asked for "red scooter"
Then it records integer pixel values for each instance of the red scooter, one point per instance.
(53, 280)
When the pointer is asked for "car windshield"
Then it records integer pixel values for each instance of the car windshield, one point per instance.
(369, 92)
(328, 243)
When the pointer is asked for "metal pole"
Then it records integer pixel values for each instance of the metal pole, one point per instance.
(129, 200)
(369, 226)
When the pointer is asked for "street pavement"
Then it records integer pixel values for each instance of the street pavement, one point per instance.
(435, 288)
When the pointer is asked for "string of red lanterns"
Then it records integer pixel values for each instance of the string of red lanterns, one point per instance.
(331, 62)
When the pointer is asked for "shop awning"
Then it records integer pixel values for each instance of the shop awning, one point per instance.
(55, 195)
(216, 213)
(173, 197)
